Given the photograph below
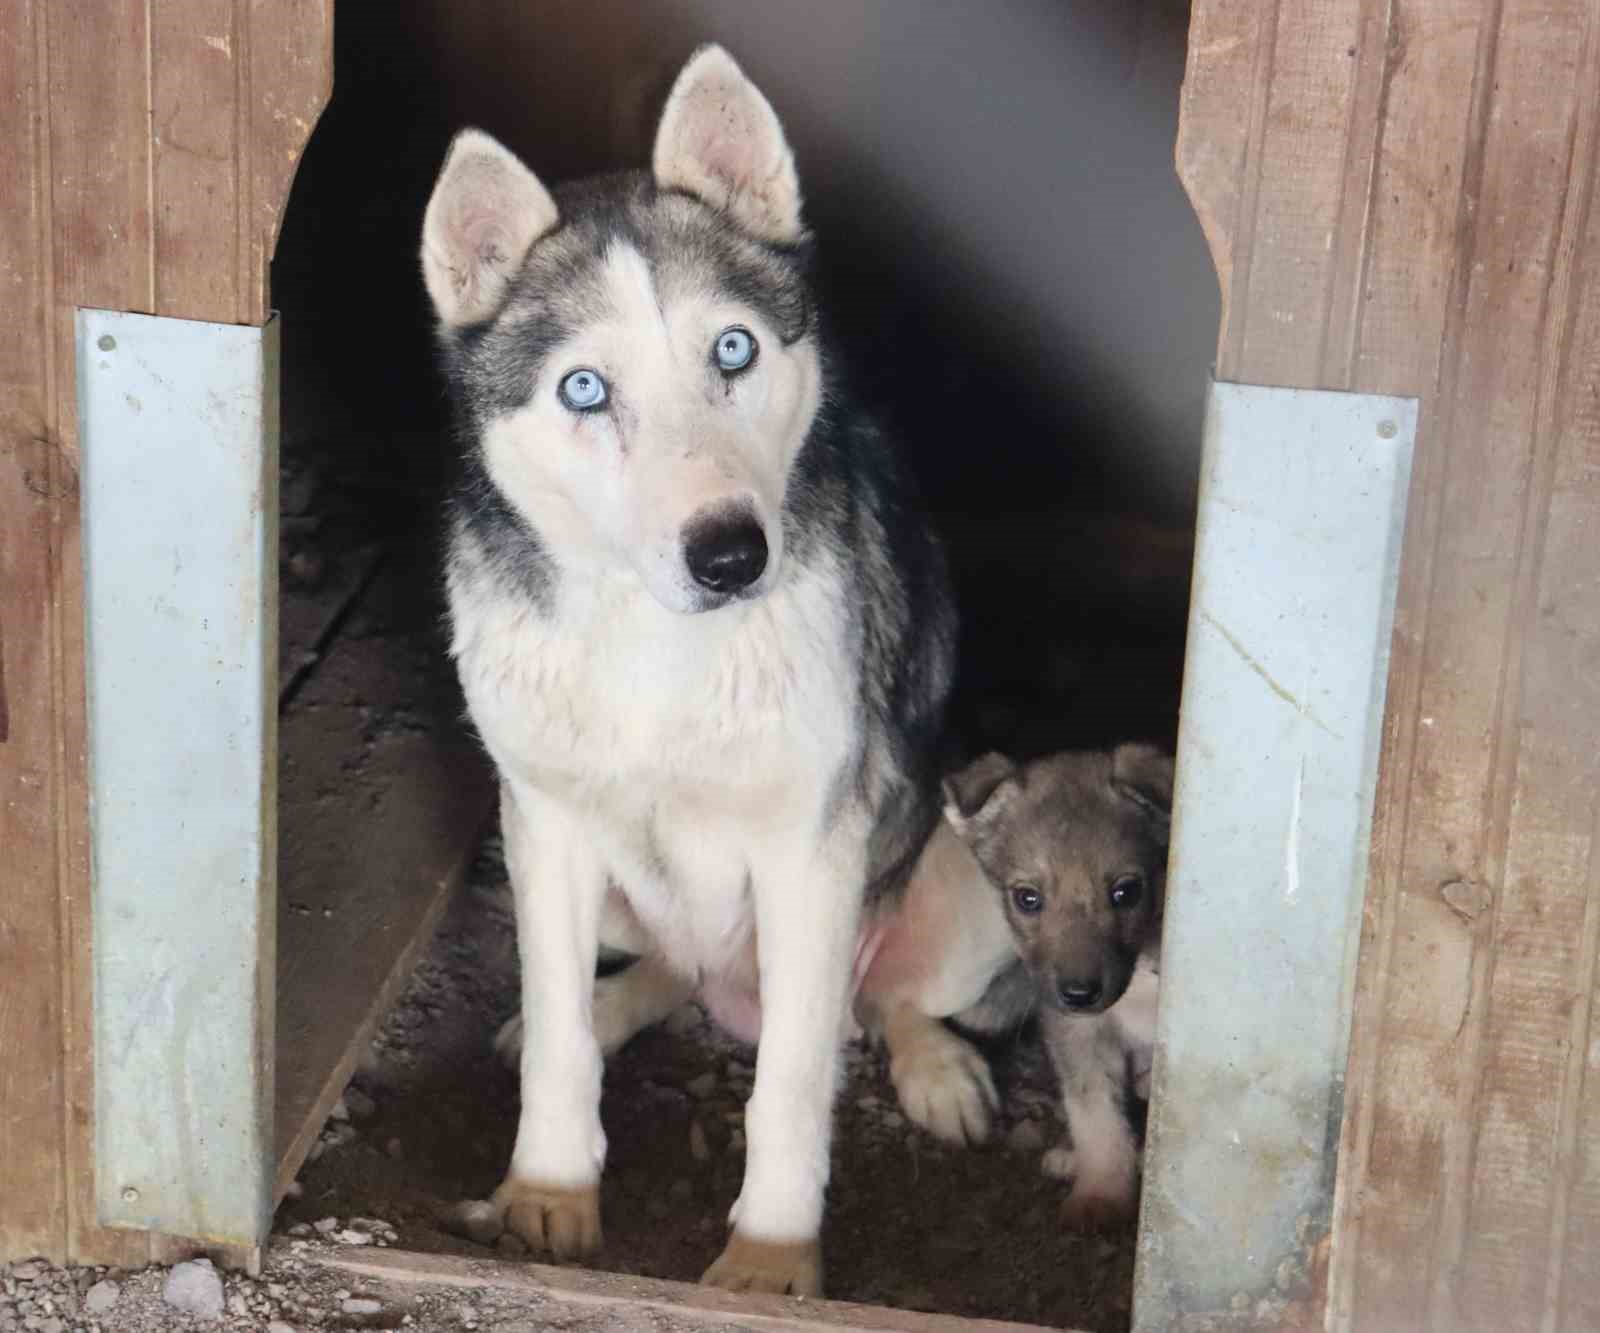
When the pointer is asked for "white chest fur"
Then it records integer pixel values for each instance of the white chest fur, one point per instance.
(680, 740)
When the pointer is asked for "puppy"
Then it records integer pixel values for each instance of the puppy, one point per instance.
(1040, 892)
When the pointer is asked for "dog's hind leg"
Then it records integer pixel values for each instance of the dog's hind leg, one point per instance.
(1102, 1159)
(625, 1004)
(807, 907)
(551, 1195)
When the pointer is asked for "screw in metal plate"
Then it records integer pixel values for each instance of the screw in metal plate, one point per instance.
(1387, 430)
(129, 1194)
(107, 343)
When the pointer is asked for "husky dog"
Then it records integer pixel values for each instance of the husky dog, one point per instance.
(701, 628)
(1041, 891)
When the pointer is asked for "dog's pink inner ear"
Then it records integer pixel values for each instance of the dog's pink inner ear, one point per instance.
(486, 210)
(721, 141)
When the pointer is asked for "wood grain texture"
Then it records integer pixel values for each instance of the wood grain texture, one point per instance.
(1418, 219)
(120, 190)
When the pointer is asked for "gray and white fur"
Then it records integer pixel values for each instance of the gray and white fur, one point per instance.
(702, 630)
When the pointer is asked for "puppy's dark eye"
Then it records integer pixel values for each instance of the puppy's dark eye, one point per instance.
(1028, 899)
(1127, 890)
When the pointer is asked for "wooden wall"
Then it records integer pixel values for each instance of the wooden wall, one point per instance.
(1400, 199)
(146, 154)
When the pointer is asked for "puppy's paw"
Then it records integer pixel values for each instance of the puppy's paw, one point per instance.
(944, 1085)
(792, 1268)
(561, 1221)
(508, 1043)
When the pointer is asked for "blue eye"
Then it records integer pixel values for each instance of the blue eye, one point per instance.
(582, 390)
(735, 349)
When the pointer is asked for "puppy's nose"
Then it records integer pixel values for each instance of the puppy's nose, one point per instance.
(726, 553)
(1079, 994)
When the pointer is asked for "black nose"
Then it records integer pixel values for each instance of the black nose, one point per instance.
(727, 553)
(1079, 994)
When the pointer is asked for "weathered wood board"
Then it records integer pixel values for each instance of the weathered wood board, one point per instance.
(147, 154)
(1400, 200)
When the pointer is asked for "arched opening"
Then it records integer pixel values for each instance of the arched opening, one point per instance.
(1018, 283)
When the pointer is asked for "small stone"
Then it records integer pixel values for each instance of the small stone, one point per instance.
(238, 1306)
(195, 1288)
(326, 1226)
(351, 1236)
(300, 1229)
(361, 1305)
(467, 1314)
(295, 1190)
(511, 1246)
(101, 1297)
(360, 1106)
(892, 1119)
(1026, 1137)
(702, 1087)
(29, 1271)
(278, 1326)
(477, 1219)
(699, 1149)
(340, 1111)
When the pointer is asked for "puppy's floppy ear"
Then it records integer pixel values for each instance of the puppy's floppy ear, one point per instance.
(486, 210)
(720, 141)
(1143, 774)
(980, 789)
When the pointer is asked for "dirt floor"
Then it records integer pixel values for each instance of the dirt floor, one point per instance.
(911, 1223)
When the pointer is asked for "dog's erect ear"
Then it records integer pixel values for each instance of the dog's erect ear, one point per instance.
(720, 141)
(1143, 774)
(486, 210)
(978, 789)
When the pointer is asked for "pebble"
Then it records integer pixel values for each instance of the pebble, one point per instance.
(326, 1226)
(699, 1149)
(477, 1219)
(101, 1297)
(238, 1306)
(360, 1106)
(1026, 1137)
(341, 1111)
(702, 1087)
(295, 1190)
(194, 1287)
(361, 1305)
(28, 1271)
(278, 1326)
(350, 1236)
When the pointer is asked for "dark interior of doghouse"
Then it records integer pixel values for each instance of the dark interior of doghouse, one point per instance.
(1017, 283)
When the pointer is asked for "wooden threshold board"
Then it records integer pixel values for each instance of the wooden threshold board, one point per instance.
(382, 797)
(580, 1299)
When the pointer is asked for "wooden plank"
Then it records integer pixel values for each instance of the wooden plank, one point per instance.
(1462, 209)
(583, 1299)
(32, 1124)
(82, 194)
(383, 795)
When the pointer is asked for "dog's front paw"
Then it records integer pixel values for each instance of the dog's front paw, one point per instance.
(1098, 1195)
(944, 1085)
(562, 1221)
(792, 1268)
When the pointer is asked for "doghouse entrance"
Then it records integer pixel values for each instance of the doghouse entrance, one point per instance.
(1020, 287)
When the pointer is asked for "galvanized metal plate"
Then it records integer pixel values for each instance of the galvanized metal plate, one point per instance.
(1302, 506)
(178, 425)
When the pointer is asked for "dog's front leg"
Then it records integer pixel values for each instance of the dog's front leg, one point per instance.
(551, 1195)
(807, 907)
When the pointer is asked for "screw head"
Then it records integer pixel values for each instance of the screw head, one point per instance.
(107, 343)
(129, 1194)
(1387, 430)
